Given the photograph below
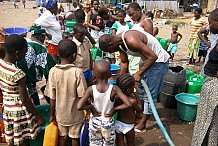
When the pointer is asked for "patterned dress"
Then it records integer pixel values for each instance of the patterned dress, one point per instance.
(19, 123)
(194, 41)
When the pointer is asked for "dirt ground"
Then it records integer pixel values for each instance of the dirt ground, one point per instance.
(179, 131)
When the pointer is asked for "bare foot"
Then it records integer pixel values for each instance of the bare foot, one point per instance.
(139, 127)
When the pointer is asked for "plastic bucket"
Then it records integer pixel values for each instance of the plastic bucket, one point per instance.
(187, 106)
(15, 30)
(114, 69)
(44, 110)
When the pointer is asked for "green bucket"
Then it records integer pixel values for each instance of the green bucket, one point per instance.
(187, 106)
(44, 110)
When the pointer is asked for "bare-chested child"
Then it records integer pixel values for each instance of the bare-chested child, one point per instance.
(124, 124)
(101, 124)
(174, 40)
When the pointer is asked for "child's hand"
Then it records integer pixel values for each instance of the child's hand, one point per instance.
(111, 113)
(52, 118)
(41, 121)
(95, 112)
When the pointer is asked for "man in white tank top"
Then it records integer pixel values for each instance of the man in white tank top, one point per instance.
(154, 62)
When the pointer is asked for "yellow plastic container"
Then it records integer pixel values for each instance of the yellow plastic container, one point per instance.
(51, 135)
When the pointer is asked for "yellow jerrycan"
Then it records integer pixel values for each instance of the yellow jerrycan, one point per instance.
(51, 135)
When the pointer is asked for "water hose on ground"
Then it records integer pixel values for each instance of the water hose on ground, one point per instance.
(157, 118)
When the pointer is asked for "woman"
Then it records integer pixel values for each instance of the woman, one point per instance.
(206, 125)
(37, 61)
(142, 22)
(94, 21)
(49, 21)
(196, 24)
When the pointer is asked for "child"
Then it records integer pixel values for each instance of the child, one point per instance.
(203, 48)
(124, 124)
(174, 41)
(84, 56)
(20, 115)
(65, 86)
(121, 25)
(101, 124)
(118, 27)
(24, 3)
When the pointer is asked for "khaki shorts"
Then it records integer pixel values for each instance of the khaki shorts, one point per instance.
(71, 131)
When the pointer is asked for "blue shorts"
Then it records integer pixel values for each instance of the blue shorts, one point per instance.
(173, 48)
(88, 74)
(154, 79)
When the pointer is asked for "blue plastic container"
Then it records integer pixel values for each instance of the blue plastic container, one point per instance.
(187, 106)
(114, 69)
(16, 30)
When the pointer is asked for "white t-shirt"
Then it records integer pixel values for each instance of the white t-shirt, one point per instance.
(120, 28)
(51, 25)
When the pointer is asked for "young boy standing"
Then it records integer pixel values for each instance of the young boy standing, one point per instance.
(84, 56)
(66, 84)
(174, 41)
(101, 124)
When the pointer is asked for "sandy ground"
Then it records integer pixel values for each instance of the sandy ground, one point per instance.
(180, 131)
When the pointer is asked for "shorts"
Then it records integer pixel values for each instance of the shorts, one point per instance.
(123, 128)
(172, 48)
(202, 53)
(88, 74)
(154, 79)
(101, 132)
(71, 131)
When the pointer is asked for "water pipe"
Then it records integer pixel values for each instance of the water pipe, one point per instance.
(157, 118)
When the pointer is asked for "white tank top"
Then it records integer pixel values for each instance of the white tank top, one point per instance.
(152, 43)
(137, 26)
(102, 101)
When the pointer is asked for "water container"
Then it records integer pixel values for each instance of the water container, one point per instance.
(15, 30)
(44, 110)
(158, 38)
(51, 135)
(187, 106)
(96, 52)
(174, 82)
(163, 43)
(69, 25)
(195, 83)
(189, 73)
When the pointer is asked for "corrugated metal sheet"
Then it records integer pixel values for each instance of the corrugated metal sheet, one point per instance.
(174, 5)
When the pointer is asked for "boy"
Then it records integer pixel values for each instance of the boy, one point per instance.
(124, 124)
(174, 41)
(84, 56)
(66, 84)
(101, 124)
(203, 47)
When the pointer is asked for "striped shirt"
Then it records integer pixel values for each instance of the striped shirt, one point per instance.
(196, 25)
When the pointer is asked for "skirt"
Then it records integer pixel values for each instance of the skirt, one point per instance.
(192, 51)
(19, 124)
(206, 125)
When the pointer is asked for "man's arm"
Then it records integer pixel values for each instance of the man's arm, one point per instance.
(134, 42)
(124, 62)
(200, 32)
(147, 25)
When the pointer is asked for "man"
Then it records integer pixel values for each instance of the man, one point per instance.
(153, 66)
(37, 61)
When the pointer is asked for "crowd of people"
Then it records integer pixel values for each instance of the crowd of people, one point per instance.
(75, 82)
